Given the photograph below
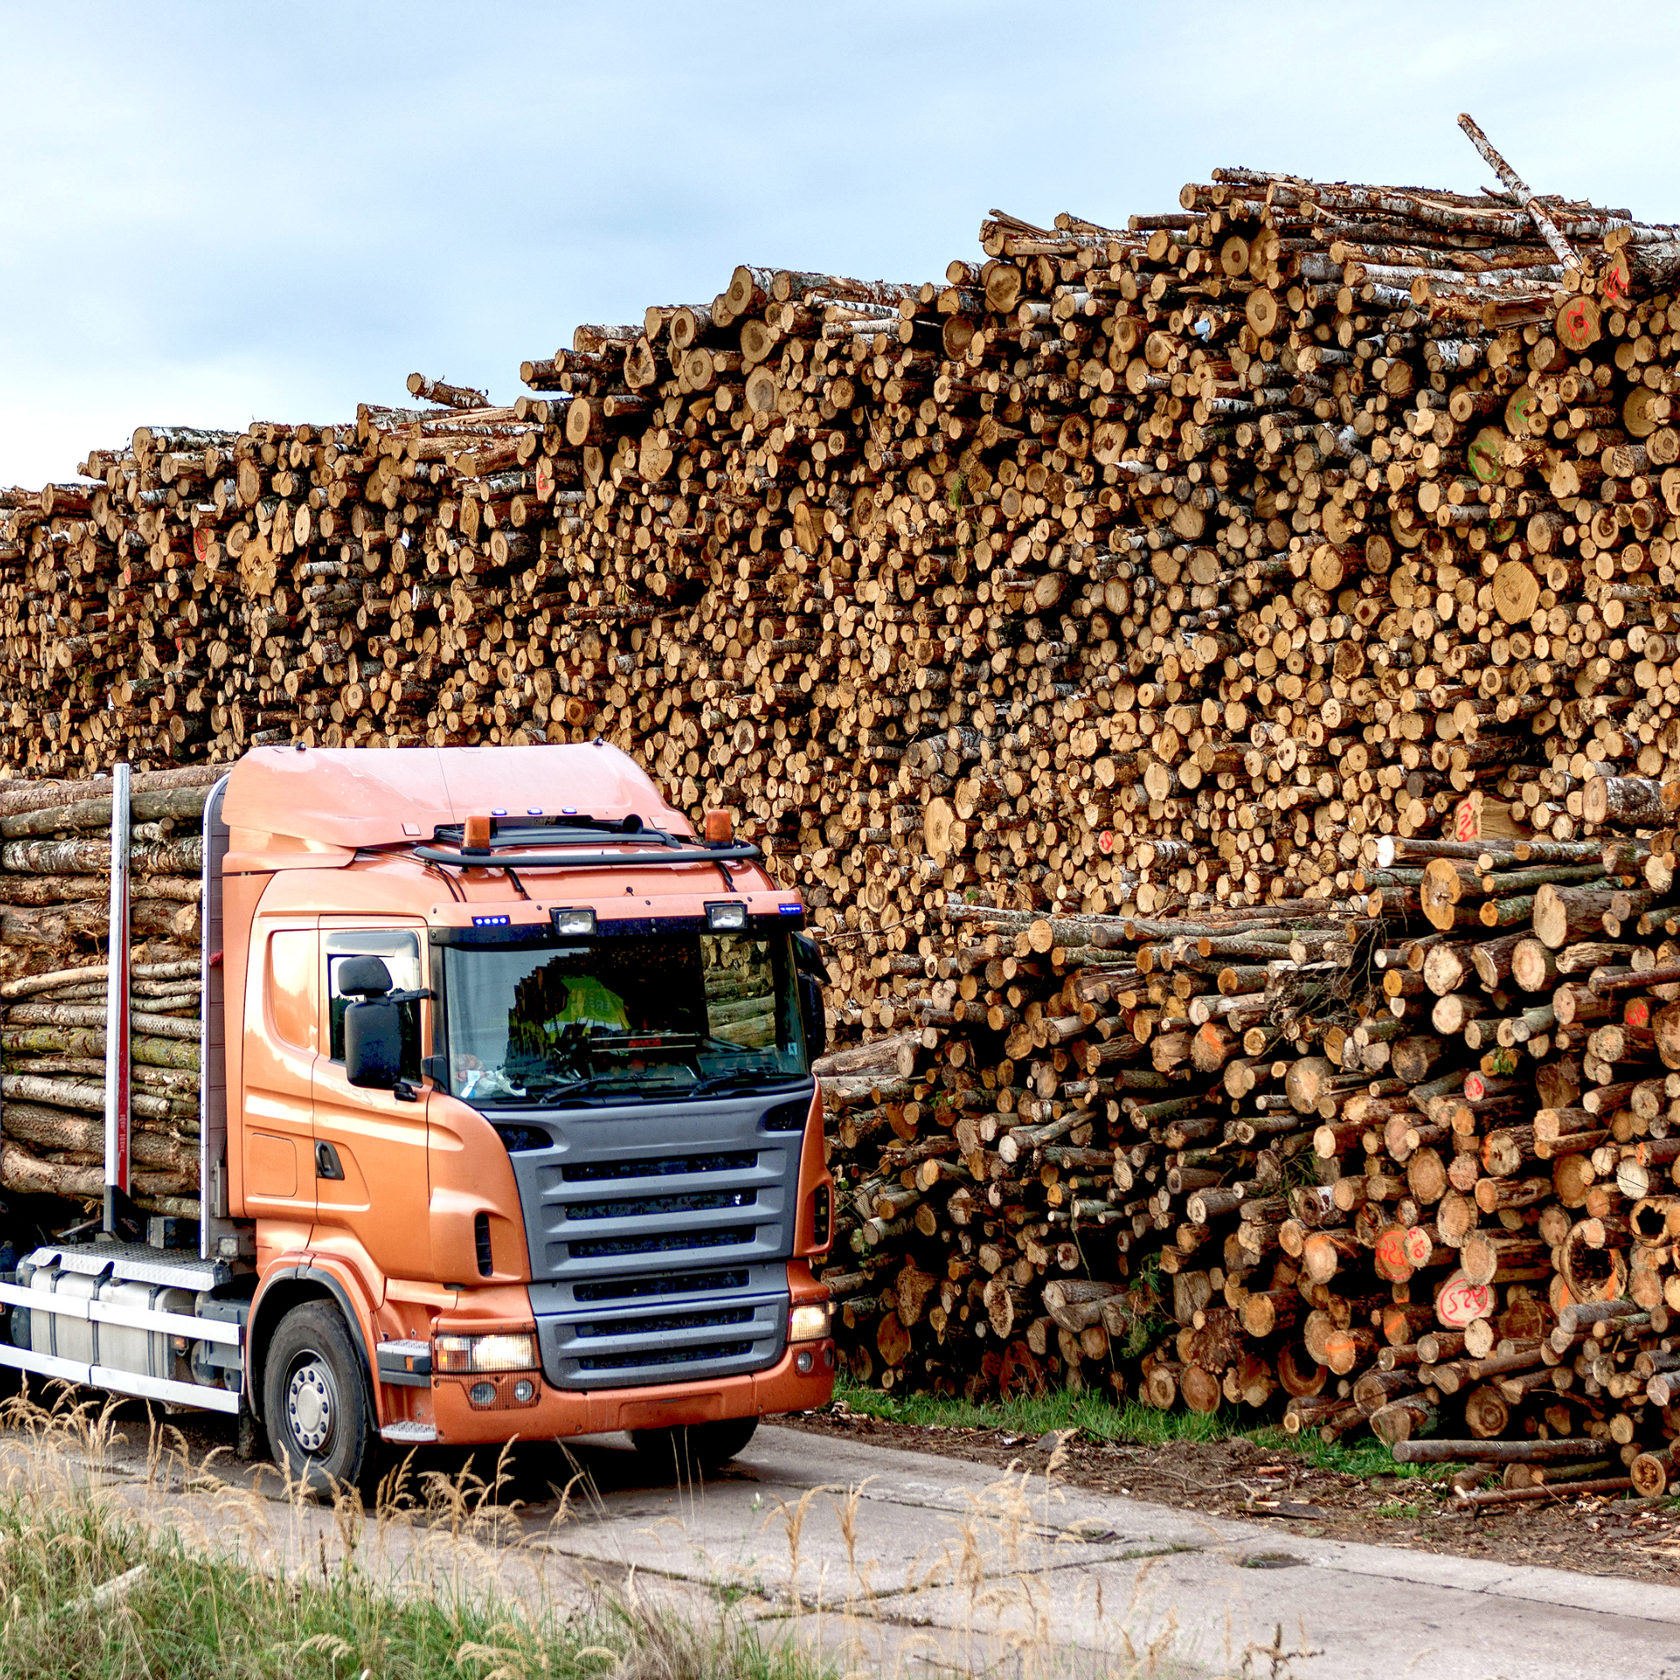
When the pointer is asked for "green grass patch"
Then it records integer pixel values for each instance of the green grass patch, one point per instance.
(189, 1616)
(1035, 1414)
(1102, 1419)
(1360, 1455)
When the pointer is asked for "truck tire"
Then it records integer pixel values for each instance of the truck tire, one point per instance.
(318, 1404)
(695, 1450)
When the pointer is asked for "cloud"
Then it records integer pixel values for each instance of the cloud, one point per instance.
(216, 212)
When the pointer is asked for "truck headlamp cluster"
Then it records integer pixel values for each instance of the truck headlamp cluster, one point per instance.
(470, 1355)
(575, 924)
(809, 1323)
(729, 917)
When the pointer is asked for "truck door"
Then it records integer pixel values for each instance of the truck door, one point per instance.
(370, 1146)
(282, 1027)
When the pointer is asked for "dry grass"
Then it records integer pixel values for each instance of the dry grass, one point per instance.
(112, 1570)
(178, 1574)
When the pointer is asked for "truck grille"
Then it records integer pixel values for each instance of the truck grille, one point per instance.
(659, 1236)
(670, 1335)
(706, 1353)
(596, 1172)
(689, 1332)
(664, 1326)
(700, 1201)
(630, 1289)
(612, 1247)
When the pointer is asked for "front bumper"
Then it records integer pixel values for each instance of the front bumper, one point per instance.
(557, 1413)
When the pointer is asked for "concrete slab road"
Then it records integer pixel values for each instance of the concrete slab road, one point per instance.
(927, 1561)
(909, 1564)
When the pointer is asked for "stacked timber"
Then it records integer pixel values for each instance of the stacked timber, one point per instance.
(1391, 1179)
(1147, 648)
(55, 860)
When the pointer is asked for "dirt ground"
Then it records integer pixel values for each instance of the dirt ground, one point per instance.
(1592, 1535)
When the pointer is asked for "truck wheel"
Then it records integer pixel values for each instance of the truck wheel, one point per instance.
(693, 1450)
(317, 1403)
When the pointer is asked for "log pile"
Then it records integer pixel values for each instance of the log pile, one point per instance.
(55, 860)
(1429, 1182)
(1181, 664)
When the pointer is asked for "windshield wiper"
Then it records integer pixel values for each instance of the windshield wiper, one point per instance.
(548, 1096)
(538, 1084)
(599, 1084)
(745, 1079)
(549, 1093)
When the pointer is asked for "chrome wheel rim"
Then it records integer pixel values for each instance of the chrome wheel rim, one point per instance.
(311, 1404)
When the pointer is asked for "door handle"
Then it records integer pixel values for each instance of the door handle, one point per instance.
(327, 1163)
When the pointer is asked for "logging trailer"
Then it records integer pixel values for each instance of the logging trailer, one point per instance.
(507, 1124)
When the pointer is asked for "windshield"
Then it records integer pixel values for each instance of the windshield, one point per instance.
(621, 1018)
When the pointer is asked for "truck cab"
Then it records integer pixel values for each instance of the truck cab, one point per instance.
(509, 1129)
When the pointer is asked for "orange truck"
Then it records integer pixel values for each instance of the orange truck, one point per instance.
(508, 1128)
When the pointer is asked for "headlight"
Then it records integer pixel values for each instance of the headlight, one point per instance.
(575, 924)
(726, 918)
(808, 1323)
(463, 1355)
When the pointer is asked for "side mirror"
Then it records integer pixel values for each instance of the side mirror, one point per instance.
(811, 1012)
(373, 1043)
(808, 957)
(811, 971)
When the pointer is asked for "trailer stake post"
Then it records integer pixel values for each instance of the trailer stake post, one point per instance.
(118, 1071)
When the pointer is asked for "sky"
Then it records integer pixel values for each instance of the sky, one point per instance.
(214, 213)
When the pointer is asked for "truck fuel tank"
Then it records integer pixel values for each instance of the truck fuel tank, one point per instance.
(106, 1341)
(159, 1323)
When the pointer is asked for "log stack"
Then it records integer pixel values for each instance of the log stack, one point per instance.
(55, 859)
(1429, 1184)
(1182, 664)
